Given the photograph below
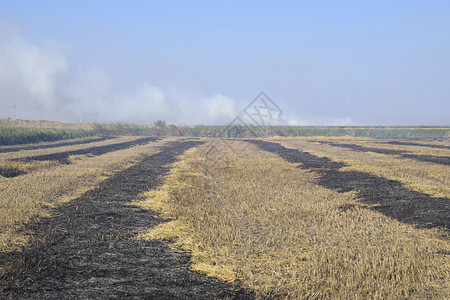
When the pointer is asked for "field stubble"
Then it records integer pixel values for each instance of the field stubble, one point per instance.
(21, 155)
(432, 179)
(261, 221)
(27, 197)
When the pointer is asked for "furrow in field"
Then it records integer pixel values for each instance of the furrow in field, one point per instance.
(387, 196)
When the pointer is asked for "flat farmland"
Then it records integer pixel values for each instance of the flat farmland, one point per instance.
(211, 218)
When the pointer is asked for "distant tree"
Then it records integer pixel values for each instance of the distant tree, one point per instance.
(173, 130)
(100, 128)
(160, 123)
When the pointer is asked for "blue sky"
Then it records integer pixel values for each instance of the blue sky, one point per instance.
(191, 62)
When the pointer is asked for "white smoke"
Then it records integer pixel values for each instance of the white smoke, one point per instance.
(219, 109)
(149, 103)
(40, 77)
(30, 74)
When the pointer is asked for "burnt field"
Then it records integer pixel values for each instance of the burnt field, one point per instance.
(88, 249)
(62, 156)
(17, 166)
(391, 197)
(176, 218)
(52, 144)
(443, 160)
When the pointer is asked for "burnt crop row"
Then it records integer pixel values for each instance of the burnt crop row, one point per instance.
(54, 145)
(442, 160)
(62, 157)
(11, 172)
(389, 197)
(416, 144)
(89, 250)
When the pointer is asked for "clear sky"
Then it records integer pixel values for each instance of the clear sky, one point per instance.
(192, 62)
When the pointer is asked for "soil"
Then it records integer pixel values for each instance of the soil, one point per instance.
(62, 157)
(442, 160)
(88, 250)
(391, 197)
(53, 145)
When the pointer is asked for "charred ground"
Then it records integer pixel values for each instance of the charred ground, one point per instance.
(88, 249)
(54, 144)
(390, 197)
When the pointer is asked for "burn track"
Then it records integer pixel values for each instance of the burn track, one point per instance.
(393, 198)
(442, 160)
(54, 145)
(88, 250)
(62, 157)
(416, 144)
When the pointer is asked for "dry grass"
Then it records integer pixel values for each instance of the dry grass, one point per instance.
(36, 152)
(259, 220)
(43, 124)
(30, 196)
(380, 144)
(50, 143)
(425, 177)
(26, 167)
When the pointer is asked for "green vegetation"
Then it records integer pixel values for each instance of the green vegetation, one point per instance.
(23, 131)
(20, 135)
(373, 132)
(161, 129)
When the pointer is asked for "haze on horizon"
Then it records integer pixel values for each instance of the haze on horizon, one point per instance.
(203, 62)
